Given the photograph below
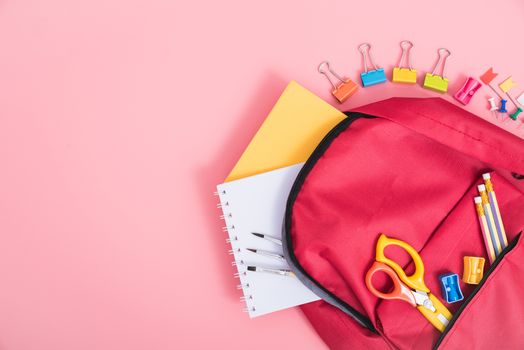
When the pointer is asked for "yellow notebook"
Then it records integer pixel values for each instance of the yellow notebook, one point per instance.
(290, 133)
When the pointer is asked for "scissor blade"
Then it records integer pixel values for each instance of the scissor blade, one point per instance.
(422, 298)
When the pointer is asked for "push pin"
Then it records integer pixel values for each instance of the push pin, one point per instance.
(374, 76)
(492, 104)
(473, 269)
(493, 107)
(344, 89)
(469, 89)
(502, 108)
(516, 114)
(406, 75)
(451, 288)
(436, 82)
(487, 78)
(506, 86)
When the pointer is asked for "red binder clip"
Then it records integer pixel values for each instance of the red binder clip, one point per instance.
(344, 89)
(467, 91)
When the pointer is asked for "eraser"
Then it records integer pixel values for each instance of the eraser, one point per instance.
(486, 176)
(478, 200)
(482, 188)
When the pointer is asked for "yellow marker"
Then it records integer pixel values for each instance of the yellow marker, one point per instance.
(485, 230)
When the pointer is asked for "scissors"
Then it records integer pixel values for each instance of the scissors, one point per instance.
(411, 289)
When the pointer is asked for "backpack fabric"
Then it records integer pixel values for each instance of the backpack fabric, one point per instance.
(408, 168)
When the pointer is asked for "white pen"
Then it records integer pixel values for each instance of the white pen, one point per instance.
(269, 238)
(273, 271)
(268, 254)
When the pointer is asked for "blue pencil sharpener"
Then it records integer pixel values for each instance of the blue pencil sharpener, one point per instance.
(373, 77)
(451, 287)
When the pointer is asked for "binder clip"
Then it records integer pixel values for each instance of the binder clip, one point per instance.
(406, 75)
(451, 288)
(473, 269)
(436, 82)
(344, 89)
(370, 77)
(465, 93)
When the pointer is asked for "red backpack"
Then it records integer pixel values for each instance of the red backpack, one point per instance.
(408, 168)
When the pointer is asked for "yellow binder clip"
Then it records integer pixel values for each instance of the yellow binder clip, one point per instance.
(473, 269)
(406, 75)
(434, 81)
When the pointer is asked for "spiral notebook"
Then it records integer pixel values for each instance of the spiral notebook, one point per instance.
(297, 123)
(257, 204)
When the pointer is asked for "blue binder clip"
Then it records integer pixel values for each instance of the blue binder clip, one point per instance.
(451, 287)
(370, 77)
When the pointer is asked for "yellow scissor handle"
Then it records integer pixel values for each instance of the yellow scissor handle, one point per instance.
(438, 318)
(416, 280)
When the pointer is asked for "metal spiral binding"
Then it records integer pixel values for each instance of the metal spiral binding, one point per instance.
(242, 286)
(229, 240)
(235, 251)
(234, 263)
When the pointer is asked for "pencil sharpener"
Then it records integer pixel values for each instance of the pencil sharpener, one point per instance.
(466, 92)
(473, 269)
(451, 287)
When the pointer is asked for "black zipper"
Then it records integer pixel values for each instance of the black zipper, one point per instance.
(290, 255)
(465, 303)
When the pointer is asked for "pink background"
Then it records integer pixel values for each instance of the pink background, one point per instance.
(118, 118)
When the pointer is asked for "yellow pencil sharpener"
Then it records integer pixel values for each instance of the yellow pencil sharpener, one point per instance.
(436, 83)
(404, 75)
(473, 269)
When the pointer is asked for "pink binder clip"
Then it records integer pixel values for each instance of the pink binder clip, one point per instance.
(465, 94)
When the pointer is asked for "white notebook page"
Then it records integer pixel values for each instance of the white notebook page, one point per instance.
(257, 204)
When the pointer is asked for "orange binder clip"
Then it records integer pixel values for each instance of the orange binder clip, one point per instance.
(473, 269)
(344, 89)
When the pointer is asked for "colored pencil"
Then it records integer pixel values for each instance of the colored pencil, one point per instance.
(490, 219)
(484, 229)
(496, 211)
